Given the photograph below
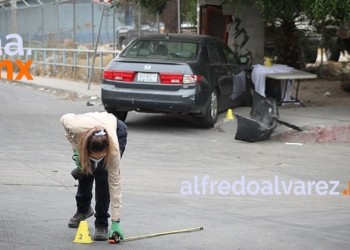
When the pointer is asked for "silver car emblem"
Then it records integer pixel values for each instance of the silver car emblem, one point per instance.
(147, 67)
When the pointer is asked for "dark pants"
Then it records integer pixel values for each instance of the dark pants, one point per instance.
(102, 198)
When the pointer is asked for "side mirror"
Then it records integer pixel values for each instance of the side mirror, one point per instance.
(243, 60)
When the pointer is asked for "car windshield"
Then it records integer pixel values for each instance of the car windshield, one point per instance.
(165, 50)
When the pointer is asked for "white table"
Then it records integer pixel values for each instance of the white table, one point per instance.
(290, 77)
(286, 74)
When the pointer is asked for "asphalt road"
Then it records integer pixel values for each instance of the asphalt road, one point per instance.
(164, 157)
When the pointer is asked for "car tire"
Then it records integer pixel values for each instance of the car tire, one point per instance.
(121, 115)
(211, 112)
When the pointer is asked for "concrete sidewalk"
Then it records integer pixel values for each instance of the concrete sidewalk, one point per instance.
(74, 87)
(324, 124)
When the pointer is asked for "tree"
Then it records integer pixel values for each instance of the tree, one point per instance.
(284, 15)
(165, 10)
(280, 15)
(153, 6)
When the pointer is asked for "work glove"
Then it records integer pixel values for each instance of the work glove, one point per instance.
(116, 228)
(76, 172)
(75, 157)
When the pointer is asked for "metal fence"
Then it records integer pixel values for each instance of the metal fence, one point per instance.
(62, 34)
(73, 64)
(67, 23)
(48, 25)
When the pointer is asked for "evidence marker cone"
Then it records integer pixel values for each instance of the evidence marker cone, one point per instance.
(229, 115)
(83, 233)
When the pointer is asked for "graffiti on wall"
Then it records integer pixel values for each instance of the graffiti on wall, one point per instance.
(239, 38)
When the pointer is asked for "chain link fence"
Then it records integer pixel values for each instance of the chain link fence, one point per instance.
(70, 23)
(63, 33)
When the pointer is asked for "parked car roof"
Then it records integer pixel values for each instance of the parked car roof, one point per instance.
(174, 36)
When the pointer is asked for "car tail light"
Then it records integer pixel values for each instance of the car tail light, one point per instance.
(123, 76)
(168, 78)
(188, 79)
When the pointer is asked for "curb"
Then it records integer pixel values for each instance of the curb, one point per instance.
(57, 91)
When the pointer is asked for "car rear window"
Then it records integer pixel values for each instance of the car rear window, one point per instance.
(166, 50)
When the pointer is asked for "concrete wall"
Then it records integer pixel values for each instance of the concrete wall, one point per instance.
(253, 29)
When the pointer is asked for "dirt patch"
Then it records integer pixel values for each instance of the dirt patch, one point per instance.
(323, 91)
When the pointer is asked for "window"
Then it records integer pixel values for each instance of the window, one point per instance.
(169, 50)
(228, 53)
(215, 55)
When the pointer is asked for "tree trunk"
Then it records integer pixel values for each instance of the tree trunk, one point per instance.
(289, 51)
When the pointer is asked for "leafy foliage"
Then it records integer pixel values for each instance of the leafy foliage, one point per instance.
(153, 6)
(283, 15)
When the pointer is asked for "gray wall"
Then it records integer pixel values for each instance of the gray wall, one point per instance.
(252, 22)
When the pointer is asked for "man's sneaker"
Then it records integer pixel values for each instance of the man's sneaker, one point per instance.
(101, 233)
(78, 217)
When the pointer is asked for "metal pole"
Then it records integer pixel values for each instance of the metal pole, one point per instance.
(198, 18)
(114, 29)
(158, 28)
(96, 43)
(29, 34)
(14, 17)
(42, 25)
(7, 25)
(178, 17)
(93, 24)
(139, 20)
(74, 35)
(54, 14)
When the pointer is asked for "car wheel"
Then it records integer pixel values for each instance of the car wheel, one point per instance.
(211, 114)
(121, 115)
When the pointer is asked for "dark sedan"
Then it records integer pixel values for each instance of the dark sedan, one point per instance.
(174, 73)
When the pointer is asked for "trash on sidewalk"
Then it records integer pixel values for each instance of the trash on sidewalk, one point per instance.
(89, 103)
(81, 95)
(262, 122)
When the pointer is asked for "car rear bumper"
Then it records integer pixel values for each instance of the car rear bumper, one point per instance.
(125, 99)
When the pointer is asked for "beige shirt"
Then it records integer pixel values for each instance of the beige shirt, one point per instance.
(75, 125)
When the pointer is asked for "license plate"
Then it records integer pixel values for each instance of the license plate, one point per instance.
(144, 77)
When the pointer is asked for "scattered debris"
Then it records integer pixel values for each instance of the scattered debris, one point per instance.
(44, 89)
(294, 143)
(261, 123)
(93, 103)
(81, 95)
(327, 94)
